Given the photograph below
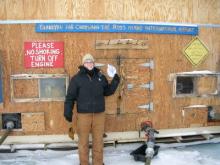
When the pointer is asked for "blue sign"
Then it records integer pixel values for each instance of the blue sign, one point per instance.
(116, 28)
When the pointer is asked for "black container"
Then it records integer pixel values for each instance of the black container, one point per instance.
(139, 153)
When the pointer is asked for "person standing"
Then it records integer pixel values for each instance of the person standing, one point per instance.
(88, 89)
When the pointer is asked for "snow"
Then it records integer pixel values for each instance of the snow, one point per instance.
(202, 154)
(196, 106)
(198, 72)
(103, 21)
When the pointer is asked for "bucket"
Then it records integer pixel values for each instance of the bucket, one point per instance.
(139, 153)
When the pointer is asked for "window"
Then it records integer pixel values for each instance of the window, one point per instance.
(184, 85)
(52, 88)
(196, 84)
(38, 87)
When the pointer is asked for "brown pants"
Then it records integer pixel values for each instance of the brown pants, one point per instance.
(90, 123)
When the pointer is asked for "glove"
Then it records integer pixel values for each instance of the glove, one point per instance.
(68, 115)
(111, 70)
(71, 132)
(116, 77)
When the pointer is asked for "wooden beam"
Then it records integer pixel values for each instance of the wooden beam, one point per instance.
(208, 136)
(121, 44)
(178, 139)
(114, 136)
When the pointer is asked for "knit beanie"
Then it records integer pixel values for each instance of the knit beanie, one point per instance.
(87, 58)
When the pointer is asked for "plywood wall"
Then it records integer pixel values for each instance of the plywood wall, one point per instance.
(165, 50)
(193, 11)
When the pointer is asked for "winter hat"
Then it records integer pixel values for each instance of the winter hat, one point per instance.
(87, 57)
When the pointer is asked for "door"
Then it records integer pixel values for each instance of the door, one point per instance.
(134, 92)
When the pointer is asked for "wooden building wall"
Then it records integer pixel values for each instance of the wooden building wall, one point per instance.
(165, 50)
(193, 11)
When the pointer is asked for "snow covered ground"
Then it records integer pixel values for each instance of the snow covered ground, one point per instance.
(202, 154)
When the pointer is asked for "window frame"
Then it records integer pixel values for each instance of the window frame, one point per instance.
(196, 75)
(38, 77)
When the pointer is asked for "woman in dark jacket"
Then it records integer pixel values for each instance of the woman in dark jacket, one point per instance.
(88, 89)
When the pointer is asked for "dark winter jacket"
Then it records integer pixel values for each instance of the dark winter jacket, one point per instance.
(88, 92)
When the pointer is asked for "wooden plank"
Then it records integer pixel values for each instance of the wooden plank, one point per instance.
(25, 89)
(178, 139)
(131, 102)
(206, 85)
(121, 44)
(2, 10)
(33, 122)
(125, 122)
(208, 136)
(34, 8)
(14, 9)
(110, 105)
(150, 10)
(202, 10)
(165, 50)
(196, 11)
(120, 123)
(196, 117)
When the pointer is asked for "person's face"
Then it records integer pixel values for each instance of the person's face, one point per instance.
(89, 65)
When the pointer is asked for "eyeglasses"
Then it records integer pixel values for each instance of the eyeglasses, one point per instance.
(88, 62)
